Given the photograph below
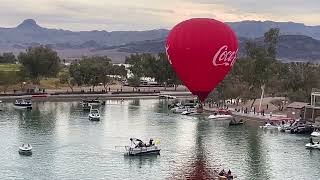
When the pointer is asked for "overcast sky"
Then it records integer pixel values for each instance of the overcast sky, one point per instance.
(151, 14)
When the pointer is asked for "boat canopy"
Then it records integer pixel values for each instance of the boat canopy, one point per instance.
(135, 139)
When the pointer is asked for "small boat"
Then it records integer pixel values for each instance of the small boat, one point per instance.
(25, 149)
(269, 126)
(179, 109)
(165, 96)
(234, 122)
(285, 128)
(220, 116)
(93, 102)
(138, 148)
(94, 115)
(302, 129)
(23, 104)
(313, 146)
(86, 107)
(301, 126)
(174, 105)
(315, 133)
(225, 175)
(190, 111)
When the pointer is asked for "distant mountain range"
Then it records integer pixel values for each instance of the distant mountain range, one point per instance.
(255, 29)
(297, 41)
(290, 47)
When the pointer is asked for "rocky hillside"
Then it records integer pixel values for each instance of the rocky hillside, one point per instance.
(298, 42)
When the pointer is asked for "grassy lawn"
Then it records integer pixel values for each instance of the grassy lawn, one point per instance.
(50, 83)
(9, 67)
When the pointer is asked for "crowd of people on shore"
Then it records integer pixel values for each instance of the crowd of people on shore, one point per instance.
(253, 110)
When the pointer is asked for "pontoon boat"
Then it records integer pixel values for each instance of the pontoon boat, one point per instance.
(23, 104)
(93, 102)
(138, 147)
(235, 122)
(220, 116)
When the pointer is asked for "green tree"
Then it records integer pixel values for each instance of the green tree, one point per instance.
(134, 81)
(22, 77)
(7, 78)
(260, 69)
(91, 71)
(65, 78)
(76, 74)
(271, 41)
(9, 58)
(119, 70)
(136, 65)
(159, 68)
(40, 62)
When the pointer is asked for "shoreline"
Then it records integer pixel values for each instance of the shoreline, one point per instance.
(249, 116)
(68, 97)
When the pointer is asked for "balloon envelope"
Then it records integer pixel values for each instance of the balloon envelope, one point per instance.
(202, 52)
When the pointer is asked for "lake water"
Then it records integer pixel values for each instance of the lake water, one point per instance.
(66, 145)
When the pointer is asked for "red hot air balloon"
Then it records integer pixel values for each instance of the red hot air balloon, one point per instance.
(202, 52)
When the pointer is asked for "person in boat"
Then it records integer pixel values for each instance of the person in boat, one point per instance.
(151, 142)
(311, 141)
(141, 144)
(229, 175)
(222, 173)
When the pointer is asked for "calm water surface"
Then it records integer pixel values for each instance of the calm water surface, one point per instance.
(66, 145)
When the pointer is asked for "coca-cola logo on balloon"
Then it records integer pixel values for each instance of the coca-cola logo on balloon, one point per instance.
(224, 57)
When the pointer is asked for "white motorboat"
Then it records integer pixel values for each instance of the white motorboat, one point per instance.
(94, 115)
(25, 149)
(285, 128)
(23, 104)
(179, 109)
(93, 102)
(313, 145)
(138, 147)
(315, 134)
(220, 116)
(165, 96)
(185, 107)
(235, 122)
(269, 126)
(190, 111)
(86, 106)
